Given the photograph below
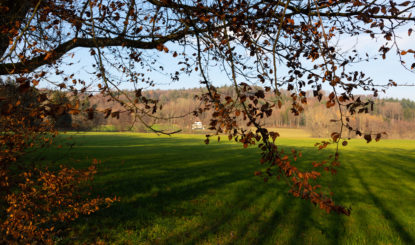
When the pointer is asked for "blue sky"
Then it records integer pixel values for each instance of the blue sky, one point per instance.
(380, 70)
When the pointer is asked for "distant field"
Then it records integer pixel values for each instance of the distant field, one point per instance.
(177, 190)
(292, 132)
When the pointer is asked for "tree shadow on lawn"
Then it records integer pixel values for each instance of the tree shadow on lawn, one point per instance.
(128, 180)
(394, 171)
(197, 179)
(234, 167)
(342, 188)
(214, 224)
(187, 170)
(301, 221)
(388, 215)
(372, 170)
(267, 227)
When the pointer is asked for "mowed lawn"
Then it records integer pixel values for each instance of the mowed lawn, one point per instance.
(177, 190)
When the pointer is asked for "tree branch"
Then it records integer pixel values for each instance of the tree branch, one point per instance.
(55, 54)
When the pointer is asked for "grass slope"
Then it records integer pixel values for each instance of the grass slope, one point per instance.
(177, 190)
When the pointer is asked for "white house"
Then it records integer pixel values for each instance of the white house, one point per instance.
(197, 125)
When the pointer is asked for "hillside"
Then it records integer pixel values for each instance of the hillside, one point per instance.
(393, 116)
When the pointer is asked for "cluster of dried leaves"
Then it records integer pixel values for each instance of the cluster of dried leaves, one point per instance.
(44, 200)
(35, 201)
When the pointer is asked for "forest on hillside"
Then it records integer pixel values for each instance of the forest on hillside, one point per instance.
(393, 116)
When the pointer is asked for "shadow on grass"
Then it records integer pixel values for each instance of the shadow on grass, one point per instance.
(159, 177)
(175, 164)
(336, 228)
(268, 227)
(213, 224)
(399, 228)
(178, 180)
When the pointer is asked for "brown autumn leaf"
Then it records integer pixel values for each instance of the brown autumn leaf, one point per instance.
(368, 138)
(160, 47)
(335, 136)
(274, 135)
(406, 3)
(330, 103)
(116, 114)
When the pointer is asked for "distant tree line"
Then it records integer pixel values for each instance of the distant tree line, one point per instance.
(394, 116)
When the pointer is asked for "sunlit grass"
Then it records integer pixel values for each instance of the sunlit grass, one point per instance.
(292, 132)
(177, 190)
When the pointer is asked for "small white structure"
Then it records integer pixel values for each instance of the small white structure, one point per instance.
(197, 125)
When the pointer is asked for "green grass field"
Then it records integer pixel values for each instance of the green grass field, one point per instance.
(177, 190)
